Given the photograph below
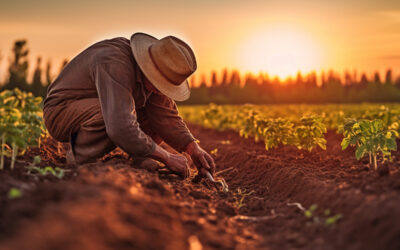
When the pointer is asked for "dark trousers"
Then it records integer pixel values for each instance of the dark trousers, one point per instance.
(81, 123)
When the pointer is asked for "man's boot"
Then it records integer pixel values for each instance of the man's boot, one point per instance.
(70, 158)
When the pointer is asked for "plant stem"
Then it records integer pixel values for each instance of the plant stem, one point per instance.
(14, 155)
(3, 138)
(370, 158)
(375, 164)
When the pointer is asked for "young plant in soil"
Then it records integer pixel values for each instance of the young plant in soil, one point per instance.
(21, 124)
(310, 132)
(14, 193)
(311, 213)
(327, 218)
(57, 172)
(369, 137)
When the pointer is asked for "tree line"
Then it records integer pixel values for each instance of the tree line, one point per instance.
(327, 87)
(18, 71)
(233, 88)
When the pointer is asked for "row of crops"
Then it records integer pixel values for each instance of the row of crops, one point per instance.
(371, 128)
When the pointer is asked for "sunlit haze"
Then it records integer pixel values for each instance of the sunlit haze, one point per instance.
(280, 51)
(277, 37)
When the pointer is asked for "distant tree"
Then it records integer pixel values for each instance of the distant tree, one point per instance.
(192, 81)
(312, 79)
(354, 77)
(348, 80)
(388, 77)
(37, 84)
(377, 77)
(299, 78)
(18, 69)
(235, 78)
(323, 79)
(251, 80)
(49, 77)
(332, 77)
(364, 80)
(203, 82)
(224, 80)
(214, 81)
(397, 82)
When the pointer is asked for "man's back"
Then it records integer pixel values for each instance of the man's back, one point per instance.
(76, 81)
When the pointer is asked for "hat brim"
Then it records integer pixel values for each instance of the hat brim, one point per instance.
(140, 44)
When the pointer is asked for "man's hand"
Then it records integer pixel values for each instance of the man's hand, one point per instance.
(176, 163)
(201, 158)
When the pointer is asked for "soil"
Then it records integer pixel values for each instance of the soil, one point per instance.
(114, 204)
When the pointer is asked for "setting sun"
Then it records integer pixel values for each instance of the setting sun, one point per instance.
(280, 52)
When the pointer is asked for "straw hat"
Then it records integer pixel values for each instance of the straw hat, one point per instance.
(167, 63)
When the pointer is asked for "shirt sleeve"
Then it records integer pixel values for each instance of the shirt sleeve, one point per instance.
(165, 120)
(114, 86)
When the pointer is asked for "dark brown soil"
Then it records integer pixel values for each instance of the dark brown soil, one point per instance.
(113, 204)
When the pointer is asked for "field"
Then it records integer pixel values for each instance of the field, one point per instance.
(293, 184)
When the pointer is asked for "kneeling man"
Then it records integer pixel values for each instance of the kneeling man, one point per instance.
(121, 92)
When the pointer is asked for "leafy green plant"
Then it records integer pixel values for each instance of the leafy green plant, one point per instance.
(21, 123)
(370, 137)
(304, 133)
(309, 133)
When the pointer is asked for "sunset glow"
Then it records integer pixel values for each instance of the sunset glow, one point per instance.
(277, 37)
(279, 51)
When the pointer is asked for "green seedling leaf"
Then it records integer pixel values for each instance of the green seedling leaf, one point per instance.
(14, 193)
(391, 144)
(361, 150)
(332, 220)
(345, 143)
(327, 212)
(36, 159)
(313, 207)
(308, 213)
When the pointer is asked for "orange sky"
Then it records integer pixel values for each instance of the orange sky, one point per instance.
(279, 37)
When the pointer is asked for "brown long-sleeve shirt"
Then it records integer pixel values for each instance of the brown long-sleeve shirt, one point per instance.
(107, 70)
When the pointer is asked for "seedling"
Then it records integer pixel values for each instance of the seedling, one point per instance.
(333, 219)
(20, 123)
(14, 193)
(311, 213)
(57, 172)
(369, 137)
(310, 132)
